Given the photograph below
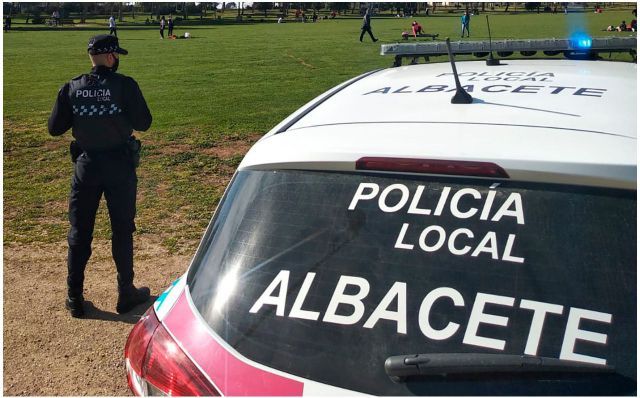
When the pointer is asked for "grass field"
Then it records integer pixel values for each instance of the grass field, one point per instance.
(225, 86)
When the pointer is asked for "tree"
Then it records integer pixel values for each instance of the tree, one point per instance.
(263, 6)
(317, 6)
(83, 19)
(284, 9)
(340, 7)
(532, 6)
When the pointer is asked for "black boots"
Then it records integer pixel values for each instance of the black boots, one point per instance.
(130, 296)
(75, 306)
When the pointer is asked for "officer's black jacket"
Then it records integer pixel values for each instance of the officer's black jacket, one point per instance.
(102, 108)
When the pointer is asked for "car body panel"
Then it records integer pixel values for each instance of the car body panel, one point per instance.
(558, 156)
(580, 95)
(165, 302)
(533, 134)
(543, 121)
(231, 373)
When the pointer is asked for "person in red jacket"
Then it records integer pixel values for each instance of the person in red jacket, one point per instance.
(416, 28)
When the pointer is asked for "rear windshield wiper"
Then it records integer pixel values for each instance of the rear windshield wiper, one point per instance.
(401, 366)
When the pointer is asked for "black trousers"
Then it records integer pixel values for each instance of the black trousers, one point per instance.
(368, 30)
(113, 175)
(112, 31)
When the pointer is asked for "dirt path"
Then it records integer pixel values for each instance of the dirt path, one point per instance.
(46, 351)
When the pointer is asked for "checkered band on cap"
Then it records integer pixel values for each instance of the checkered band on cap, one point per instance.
(105, 50)
(104, 44)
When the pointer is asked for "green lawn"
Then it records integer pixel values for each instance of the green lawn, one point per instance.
(229, 82)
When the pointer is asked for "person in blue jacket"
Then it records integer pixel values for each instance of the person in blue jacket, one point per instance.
(466, 18)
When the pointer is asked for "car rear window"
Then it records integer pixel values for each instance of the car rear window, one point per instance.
(325, 275)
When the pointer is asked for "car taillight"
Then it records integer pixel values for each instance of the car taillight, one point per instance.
(156, 365)
(432, 166)
(139, 339)
(168, 369)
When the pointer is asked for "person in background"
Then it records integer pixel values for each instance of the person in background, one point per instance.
(622, 27)
(112, 26)
(7, 23)
(162, 24)
(466, 20)
(366, 26)
(55, 16)
(416, 28)
(170, 25)
(102, 108)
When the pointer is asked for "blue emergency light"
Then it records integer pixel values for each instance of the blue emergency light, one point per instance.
(581, 41)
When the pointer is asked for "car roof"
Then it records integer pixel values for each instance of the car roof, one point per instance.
(563, 121)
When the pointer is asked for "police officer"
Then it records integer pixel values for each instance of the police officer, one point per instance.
(102, 108)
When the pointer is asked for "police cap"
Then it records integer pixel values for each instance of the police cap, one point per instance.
(104, 44)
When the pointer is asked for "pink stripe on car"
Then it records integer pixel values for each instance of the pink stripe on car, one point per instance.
(230, 374)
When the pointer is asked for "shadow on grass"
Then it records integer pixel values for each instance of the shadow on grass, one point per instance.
(131, 317)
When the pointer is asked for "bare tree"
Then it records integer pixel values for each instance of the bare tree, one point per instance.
(83, 18)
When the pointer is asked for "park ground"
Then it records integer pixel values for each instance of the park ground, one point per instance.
(211, 96)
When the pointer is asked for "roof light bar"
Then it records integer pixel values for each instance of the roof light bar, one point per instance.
(575, 45)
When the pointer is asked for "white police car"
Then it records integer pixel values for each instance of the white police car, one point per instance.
(382, 240)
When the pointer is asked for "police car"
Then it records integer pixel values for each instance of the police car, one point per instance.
(384, 240)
